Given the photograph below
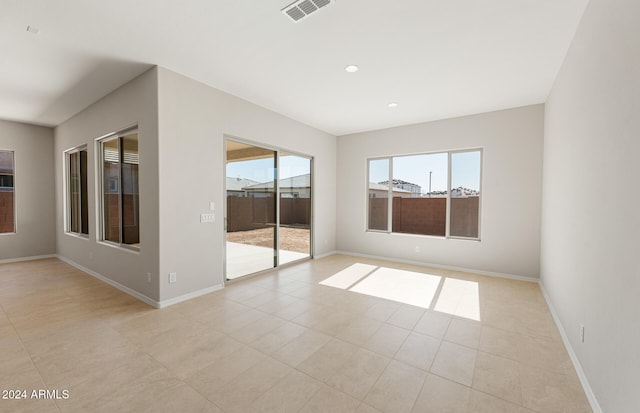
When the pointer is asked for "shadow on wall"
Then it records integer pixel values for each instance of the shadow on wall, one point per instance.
(102, 77)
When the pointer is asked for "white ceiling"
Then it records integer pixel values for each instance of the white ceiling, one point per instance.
(436, 58)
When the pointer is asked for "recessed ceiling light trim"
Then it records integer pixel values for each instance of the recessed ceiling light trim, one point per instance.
(352, 68)
(33, 30)
(393, 105)
(301, 9)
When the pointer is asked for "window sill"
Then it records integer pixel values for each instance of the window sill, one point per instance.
(405, 234)
(78, 235)
(121, 247)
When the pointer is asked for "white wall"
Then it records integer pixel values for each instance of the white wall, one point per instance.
(511, 191)
(34, 191)
(590, 262)
(134, 103)
(194, 118)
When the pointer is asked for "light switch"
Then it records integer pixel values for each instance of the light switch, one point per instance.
(208, 217)
(212, 206)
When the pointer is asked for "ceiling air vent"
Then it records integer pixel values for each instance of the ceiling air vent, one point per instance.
(300, 9)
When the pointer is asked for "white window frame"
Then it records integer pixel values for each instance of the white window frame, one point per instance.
(67, 187)
(100, 189)
(447, 235)
(15, 210)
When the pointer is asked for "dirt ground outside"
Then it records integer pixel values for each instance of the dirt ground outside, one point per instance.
(291, 239)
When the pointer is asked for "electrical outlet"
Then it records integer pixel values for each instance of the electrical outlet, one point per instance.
(581, 333)
(148, 278)
(173, 277)
(417, 248)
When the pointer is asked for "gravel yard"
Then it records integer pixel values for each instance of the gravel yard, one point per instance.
(291, 239)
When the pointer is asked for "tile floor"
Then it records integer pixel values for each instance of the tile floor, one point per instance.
(283, 342)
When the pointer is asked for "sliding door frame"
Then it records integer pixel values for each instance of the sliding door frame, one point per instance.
(278, 151)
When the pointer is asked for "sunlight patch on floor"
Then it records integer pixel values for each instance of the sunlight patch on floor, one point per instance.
(349, 276)
(398, 285)
(459, 297)
(447, 295)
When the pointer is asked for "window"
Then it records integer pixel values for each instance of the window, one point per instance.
(379, 194)
(120, 211)
(7, 194)
(465, 194)
(77, 209)
(434, 194)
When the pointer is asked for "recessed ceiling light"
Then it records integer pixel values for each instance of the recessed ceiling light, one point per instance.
(33, 30)
(393, 105)
(351, 68)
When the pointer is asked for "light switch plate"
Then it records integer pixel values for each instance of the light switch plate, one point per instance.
(208, 217)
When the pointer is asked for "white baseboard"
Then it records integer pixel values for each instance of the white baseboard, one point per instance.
(136, 294)
(326, 254)
(112, 283)
(595, 406)
(444, 267)
(32, 258)
(189, 296)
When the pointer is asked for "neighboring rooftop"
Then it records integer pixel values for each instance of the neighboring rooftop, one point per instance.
(300, 181)
(238, 184)
(398, 182)
(385, 187)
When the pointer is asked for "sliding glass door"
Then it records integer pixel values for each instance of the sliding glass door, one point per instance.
(268, 214)
(295, 208)
(251, 209)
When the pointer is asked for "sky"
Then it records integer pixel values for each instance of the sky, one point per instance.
(262, 170)
(465, 170)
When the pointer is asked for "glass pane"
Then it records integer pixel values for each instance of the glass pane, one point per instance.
(465, 194)
(295, 208)
(84, 209)
(74, 192)
(420, 194)
(378, 204)
(251, 209)
(111, 190)
(130, 194)
(7, 214)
